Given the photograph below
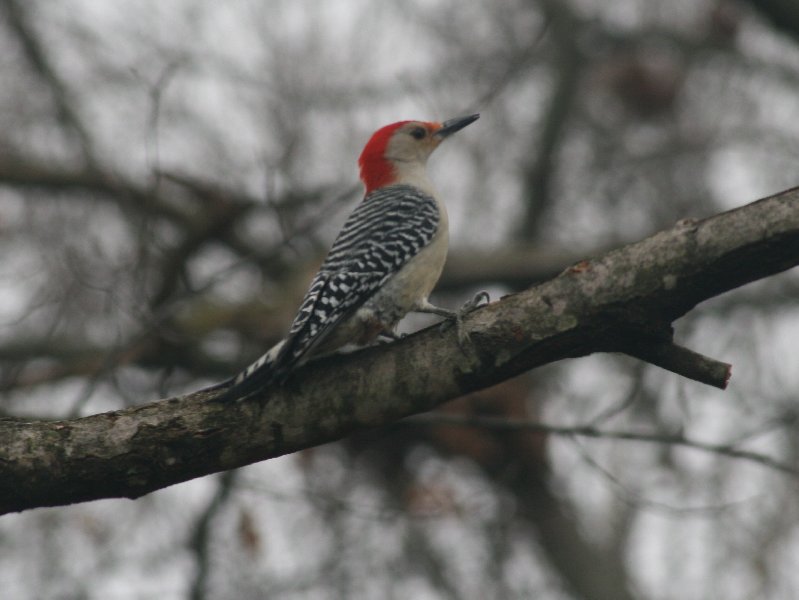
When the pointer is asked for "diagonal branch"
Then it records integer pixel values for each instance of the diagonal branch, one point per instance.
(20, 23)
(593, 306)
(783, 14)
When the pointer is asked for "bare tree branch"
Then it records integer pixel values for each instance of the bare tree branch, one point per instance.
(593, 307)
(31, 173)
(19, 22)
(540, 174)
(652, 437)
(783, 14)
(682, 361)
(198, 542)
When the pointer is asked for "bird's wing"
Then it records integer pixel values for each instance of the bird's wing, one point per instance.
(382, 234)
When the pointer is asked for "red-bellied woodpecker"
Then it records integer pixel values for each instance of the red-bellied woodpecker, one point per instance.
(384, 262)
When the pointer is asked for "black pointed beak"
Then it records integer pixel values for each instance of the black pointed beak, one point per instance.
(456, 124)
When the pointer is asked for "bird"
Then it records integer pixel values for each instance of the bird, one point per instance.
(383, 264)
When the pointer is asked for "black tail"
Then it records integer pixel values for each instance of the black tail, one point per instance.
(238, 390)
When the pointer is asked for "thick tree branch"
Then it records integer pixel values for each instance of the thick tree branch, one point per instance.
(634, 292)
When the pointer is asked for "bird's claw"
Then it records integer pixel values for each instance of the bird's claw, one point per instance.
(481, 298)
(457, 317)
(390, 336)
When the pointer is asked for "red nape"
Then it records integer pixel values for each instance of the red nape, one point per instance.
(376, 171)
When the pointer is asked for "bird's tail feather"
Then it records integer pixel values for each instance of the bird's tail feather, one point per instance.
(261, 373)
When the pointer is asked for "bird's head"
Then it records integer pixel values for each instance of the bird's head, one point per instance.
(403, 146)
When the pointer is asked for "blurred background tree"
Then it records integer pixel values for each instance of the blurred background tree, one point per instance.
(171, 174)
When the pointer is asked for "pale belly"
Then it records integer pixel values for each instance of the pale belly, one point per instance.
(404, 292)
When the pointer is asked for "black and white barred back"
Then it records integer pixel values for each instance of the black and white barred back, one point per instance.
(387, 229)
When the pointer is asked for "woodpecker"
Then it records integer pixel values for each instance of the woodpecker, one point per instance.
(384, 263)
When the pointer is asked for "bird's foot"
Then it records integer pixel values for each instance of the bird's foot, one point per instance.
(389, 336)
(456, 317)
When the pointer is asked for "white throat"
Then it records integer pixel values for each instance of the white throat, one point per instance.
(413, 173)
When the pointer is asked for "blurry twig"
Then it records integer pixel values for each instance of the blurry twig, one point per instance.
(199, 540)
(634, 498)
(675, 439)
(18, 21)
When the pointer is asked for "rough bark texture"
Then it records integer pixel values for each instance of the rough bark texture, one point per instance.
(623, 301)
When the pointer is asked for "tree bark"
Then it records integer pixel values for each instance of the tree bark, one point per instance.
(623, 301)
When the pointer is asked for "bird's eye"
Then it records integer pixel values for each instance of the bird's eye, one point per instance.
(418, 132)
